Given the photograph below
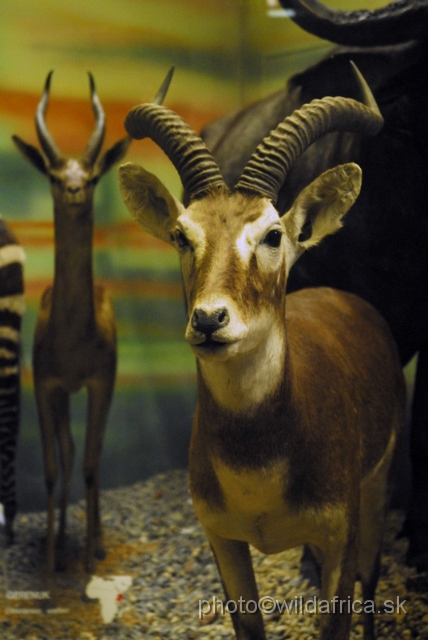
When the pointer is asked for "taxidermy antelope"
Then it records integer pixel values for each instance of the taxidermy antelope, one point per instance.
(75, 336)
(11, 310)
(300, 399)
(390, 47)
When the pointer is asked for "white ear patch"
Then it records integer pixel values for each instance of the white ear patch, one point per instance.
(254, 232)
(194, 233)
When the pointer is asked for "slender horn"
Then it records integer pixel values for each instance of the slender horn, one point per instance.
(195, 165)
(46, 141)
(400, 21)
(272, 160)
(95, 143)
(160, 96)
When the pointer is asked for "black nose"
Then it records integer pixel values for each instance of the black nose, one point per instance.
(208, 323)
(73, 189)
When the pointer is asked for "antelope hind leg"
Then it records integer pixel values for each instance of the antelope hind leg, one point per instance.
(375, 495)
(416, 526)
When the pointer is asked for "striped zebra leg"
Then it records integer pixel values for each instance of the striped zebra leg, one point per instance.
(9, 426)
(11, 310)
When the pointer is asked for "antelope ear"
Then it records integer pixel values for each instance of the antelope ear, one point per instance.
(113, 155)
(148, 201)
(31, 153)
(321, 206)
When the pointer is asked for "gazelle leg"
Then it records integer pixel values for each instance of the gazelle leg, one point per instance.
(237, 575)
(99, 400)
(45, 405)
(66, 451)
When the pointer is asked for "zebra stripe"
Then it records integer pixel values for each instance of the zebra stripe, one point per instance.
(10, 334)
(13, 304)
(11, 310)
(10, 254)
(7, 354)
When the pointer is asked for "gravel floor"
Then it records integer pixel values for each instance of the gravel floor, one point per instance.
(152, 535)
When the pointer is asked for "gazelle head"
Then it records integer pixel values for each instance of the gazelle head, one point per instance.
(235, 249)
(72, 180)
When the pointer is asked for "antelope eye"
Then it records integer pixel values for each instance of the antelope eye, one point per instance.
(181, 239)
(273, 238)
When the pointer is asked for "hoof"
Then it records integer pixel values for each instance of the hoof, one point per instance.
(100, 553)
(309, 569)
(404, 531)
(60, 564)
(60, 553)
(417, 584)
(7, 537)
(417, 553)
(90, 566)
(418, 560)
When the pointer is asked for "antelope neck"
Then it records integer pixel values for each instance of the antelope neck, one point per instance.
(243, 382)
(73, 277)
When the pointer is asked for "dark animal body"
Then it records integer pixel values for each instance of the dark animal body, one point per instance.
(11, 310)
(382, 252)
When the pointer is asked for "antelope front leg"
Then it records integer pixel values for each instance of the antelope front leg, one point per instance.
(237, 575)
(99, 398)
(66, 452)
(338, 575)
(45, 398)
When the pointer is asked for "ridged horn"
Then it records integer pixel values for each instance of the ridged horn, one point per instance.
(95, 143)
(267, 168)
(398, 22)
(195, 165)
(46, 141)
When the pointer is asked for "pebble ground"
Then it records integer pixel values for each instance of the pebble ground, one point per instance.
(151, 534)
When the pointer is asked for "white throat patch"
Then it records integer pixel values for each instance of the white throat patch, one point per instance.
(252, 374)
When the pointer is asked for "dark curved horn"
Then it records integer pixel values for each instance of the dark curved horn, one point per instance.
(46, 141)
(271, 161)
(94, 145)
(400, 21)
(195, 165)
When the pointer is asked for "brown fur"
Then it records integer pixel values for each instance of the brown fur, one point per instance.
(74, 347)
(327, 426)
(300, 398)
